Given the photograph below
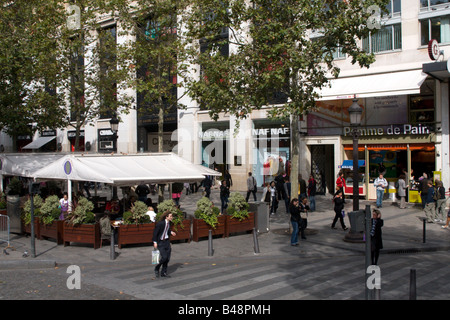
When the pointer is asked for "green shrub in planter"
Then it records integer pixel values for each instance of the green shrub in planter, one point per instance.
(169, 205)
(26, 210)
(50, 210)
(15, 186)
(2, 201)
(237, 206)
(207, 212)
(83, 213)
(136, 214)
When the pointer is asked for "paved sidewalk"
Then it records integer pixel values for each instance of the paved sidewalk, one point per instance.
(402, 233)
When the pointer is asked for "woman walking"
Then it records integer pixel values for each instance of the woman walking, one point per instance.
(273, 198)
(224, 194)
(338, 208)
(376, 241)
(402, 191)
(295, 220)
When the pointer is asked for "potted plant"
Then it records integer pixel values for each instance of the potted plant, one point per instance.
(80, 225)
(136, 226)
(238, 217)
(2, 203)
(181, 226)
(207, 217)
(26, 215)
(49, 224)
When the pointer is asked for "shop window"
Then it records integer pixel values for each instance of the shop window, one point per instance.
(421, 107)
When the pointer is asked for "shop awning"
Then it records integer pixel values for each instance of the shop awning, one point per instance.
(375, 85)
(348, 164)
(39, 142)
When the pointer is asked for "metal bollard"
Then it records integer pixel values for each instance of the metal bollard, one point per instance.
(210, 244)
(412, 285)
(112, 251)
(424, 230)
(255, 241)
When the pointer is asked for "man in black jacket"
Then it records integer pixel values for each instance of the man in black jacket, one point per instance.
(161, 242)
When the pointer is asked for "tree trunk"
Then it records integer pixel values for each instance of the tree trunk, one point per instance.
(295, 140)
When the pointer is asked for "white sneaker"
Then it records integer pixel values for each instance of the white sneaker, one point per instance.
(444, 227)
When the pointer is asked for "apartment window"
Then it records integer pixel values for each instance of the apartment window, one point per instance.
(108, 86)
(394, 8)
(388, 38)
(426, 5)
(435, 28)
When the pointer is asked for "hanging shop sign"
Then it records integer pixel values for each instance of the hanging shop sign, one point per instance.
(404, 129)
(214, 134)
(264, 132)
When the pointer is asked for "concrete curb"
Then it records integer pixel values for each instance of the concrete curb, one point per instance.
(27, 263)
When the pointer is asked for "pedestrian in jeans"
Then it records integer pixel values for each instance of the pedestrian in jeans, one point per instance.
(430, 203)
(441, 201)
(380, 184)
(295, 220)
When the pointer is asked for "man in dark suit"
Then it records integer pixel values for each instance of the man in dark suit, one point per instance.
(161, 242)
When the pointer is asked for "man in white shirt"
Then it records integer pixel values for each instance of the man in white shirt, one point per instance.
(380, 184)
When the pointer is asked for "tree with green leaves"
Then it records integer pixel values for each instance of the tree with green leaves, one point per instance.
(272, 54)
(29, 73)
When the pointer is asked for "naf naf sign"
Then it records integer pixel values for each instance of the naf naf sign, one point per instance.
(392, 130)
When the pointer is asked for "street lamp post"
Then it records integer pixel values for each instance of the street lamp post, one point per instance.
(114, 122)
(355, 112)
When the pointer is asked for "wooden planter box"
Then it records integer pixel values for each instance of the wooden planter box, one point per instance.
(200, 229)
(27, 228)
(234, 225)
(3, 212)
(183, 233)
(52, 231)
(83, 233)
(135, 233)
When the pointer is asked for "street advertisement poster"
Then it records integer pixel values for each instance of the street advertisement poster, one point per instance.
(383, 161)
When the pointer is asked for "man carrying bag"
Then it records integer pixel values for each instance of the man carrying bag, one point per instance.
(161, 242)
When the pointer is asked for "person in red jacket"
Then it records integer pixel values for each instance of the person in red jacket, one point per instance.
(340, 183)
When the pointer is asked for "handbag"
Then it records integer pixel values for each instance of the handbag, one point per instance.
(155, 256)
(303, 215)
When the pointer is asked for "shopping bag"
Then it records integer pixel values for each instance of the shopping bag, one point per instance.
(155, 256)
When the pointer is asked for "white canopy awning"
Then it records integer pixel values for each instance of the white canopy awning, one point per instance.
(125, 170)
(375, 85)
(39, 142)
(25, 164)
(71, 168)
